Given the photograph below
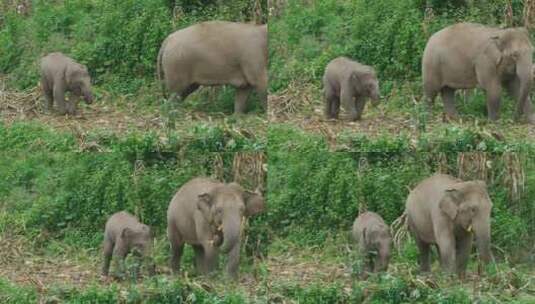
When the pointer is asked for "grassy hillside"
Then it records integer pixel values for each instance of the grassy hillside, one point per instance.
(389, 35)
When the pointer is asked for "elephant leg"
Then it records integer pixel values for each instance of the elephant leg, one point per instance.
(493, 103)
(366, 262)
(234, 261)
(48, 92)
(240, 103)
(59, 98)
(335, 107)
(513, 89)
(210, 258)
(119, 254)
(448, 98)
(199, 258)
(430, 94)
(346, 97)
(108, 253)
(72, 104)
(446, 245)
(425, 256)
(463, 247)
(188, 91)
(261, 90)
(331, 100)
(360, 102)
(177, 247)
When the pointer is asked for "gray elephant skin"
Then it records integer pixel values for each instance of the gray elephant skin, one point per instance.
(468, 55)
(216, 53)
(351, 83)
(374, 241)
(447, 212)
(124, 234)
(209, 216)
(61, 74)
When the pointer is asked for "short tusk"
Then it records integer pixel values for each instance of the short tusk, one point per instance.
(469, 229)
(220, 228)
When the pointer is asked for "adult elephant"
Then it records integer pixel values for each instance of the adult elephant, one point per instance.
(447, 212)
(469, 55)
(216, 53)
(209, 215)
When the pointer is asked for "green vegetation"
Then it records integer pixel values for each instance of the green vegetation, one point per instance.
(389, 35)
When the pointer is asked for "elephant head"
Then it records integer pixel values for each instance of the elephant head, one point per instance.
(79, 82)
(467, 205)
(225, 208)
(379, 238)
(367, 84)
(140, 242)
(514, 59)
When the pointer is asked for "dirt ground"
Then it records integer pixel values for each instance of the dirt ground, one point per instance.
(119, 114)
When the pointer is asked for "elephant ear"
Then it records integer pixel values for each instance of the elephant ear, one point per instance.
(450, 202)
(254, 202)
(204, 203)
(127, 233)
(371, 235)
(361, 81)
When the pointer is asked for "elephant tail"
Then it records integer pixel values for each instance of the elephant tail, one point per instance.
(400, 230)
(159, 70)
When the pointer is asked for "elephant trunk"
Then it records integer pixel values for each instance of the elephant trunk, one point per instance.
(482, 233)
(231, 233)
(88, 96)
(524, 74)
(384, 257)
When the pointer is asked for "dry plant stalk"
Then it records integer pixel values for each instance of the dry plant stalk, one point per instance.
(515, 176)
(289, 101)
(219, 167)
(472, 165)
(508, 14)
(276, 7)
(399, 231)
(442, 163)
(257, 12)
(249, 168)
(24, 104)
(528, 14)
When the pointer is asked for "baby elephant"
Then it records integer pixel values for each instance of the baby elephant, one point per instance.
(350, 82)
(60, 74)
(125, 234)
(374, 241)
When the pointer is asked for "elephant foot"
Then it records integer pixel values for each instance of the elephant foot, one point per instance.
(531, 119)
